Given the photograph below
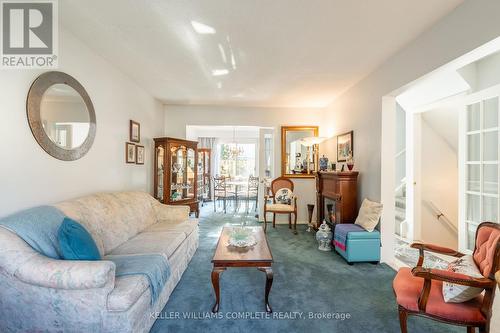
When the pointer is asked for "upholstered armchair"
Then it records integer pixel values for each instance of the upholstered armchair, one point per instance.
(284, 201)
(419, 290)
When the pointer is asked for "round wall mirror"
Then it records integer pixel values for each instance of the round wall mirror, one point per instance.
(61, 116)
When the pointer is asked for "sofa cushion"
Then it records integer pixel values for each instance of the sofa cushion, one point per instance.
(75, 242)
(127, 291)
(186, 227)
(369, 215)
(112, 218)
(152, 242)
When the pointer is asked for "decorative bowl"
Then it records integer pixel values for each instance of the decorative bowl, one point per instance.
(241, 237)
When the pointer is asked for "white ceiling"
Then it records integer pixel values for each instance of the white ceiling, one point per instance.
(288, 53)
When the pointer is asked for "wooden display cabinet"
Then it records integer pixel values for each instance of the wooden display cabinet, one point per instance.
(176, 172)
(204, 174)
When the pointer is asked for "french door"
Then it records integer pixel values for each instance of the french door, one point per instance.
(480, 171)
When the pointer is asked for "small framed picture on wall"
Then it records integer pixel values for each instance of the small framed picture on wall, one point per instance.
(345, 148)
(129, 152)
(135, 131)
(139, 154)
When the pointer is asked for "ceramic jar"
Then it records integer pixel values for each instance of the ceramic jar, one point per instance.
(324, 237)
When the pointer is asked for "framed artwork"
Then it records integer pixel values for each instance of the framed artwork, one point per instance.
(129, 152)
(135, 131)
(139, 154)
(345, 148)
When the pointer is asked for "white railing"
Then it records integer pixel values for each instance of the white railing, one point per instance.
(441, 217)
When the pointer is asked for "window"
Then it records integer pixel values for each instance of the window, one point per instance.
(237, 160)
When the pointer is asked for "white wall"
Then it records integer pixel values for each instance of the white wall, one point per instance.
(439, 174)
(360, 109)
(178, 117)
(29, 176)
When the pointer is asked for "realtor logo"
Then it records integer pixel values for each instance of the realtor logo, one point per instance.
(29, 34)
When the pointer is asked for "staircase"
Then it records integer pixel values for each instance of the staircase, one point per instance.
(401, 228)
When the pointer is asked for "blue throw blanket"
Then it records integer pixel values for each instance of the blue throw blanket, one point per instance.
(38, 227)
(154, 266)
(341, 232)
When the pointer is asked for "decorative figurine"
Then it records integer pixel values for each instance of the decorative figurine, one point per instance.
(324, 237)
(350, 163)
(323, 163)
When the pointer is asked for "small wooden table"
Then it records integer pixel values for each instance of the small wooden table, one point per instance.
(258, 256)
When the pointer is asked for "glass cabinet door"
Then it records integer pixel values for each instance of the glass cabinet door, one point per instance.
(190, 172)
(482, 167)
(178, 173)
(160, 154)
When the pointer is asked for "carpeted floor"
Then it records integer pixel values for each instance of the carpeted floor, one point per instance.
(342, 298)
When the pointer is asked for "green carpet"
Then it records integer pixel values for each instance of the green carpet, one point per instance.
(342, 298)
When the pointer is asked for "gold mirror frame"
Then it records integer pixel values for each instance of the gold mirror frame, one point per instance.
(284, 130)
(33, 103)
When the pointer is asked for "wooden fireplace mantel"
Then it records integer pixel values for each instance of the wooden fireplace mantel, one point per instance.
(340, 187)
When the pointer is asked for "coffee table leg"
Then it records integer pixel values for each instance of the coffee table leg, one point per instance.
(269, 283)
(215, 283)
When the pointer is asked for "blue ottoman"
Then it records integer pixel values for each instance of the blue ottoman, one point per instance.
(361, 246)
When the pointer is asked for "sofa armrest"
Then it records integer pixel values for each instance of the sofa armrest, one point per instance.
(172, 213)
(66, 274)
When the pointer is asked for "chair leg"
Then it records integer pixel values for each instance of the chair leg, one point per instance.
(290, 221)
(471, 329)
(274, 220)
(403, 317)
(224, 199)
(295, 223)
(265, 222)
(215, 202)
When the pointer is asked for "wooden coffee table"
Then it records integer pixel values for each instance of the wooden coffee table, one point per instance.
(258, 256)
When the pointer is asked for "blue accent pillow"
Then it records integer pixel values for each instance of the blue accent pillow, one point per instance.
(75, 242)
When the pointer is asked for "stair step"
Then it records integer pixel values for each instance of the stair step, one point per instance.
(400, 202)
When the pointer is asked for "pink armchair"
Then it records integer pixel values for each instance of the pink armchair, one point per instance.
(419, 290)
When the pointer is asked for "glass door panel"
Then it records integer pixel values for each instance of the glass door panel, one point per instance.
(471, 235)
(473, 177)
(190, 166)
(160, 154)
(473, 147)
(490, 114)
(473, 208)
(473, 117)
(490, 178)
(482, 167)
(490, 209)
(490, 146)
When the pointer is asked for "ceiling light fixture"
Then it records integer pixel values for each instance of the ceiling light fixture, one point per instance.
(219, 72)
(202, 28)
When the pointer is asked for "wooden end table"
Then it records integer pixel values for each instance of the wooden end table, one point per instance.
(258, 256)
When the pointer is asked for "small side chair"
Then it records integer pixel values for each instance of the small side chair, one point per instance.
(280, 208)
(419, 290)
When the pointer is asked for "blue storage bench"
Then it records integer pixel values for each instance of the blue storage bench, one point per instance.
(361, 246)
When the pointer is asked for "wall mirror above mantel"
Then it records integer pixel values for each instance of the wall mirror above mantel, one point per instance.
(61, 116)
(299, 158)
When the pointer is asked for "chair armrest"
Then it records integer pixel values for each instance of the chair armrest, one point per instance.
(452, 277)
(433, 248)
(66, 274)
(171, 212)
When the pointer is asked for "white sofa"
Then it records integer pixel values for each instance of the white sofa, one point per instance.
(40, 294)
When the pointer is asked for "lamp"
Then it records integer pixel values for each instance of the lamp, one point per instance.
(311, 141)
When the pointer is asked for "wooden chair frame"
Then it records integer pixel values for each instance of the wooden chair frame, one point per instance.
(428, 275)
(294, 212)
